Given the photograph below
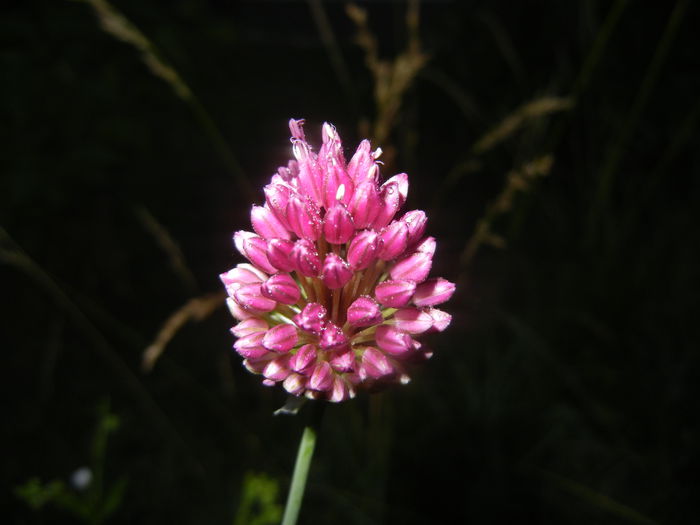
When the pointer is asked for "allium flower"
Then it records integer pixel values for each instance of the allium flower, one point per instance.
(336, 291)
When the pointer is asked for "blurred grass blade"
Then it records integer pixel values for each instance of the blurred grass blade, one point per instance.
(596, 499)
(116, 24)
(169, 246)
(196, 309)
(610, 168)
(538, 108)
(599, 45)
(518, 180)
(534, 109)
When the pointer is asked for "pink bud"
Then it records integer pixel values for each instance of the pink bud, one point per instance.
(322, 377)
(251, 346)
(312, 318)
(415, 267)
(361, 162)
(336, 272)
(433, 291)
(343, 360)
(249, 326)
(240, 275)
(251, 299)
(375, 364)
(340, 391)
(305, 258)
(390, 199)
(338, 226)
(253, 248)
(303, 359)
(304, 217)
(427, 245)
(393, 341)
(267, 225)
(441, 320)
(296, 127)
(332, 336)
(237, 310)
(401, 181)
(363, 249)
(282, 288)
(281, 338)
(295, 384)
(278, 253)
(338, 187)
(412, 320)
(276, 197)
(310, 178)
(365, 204)
(416, 220)
(257, 365)
(393, 241)
(395, 293)
(364, 311)
(277, 369)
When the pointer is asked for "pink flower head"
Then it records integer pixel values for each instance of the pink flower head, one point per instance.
(336, 290)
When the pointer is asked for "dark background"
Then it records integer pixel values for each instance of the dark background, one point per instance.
(566, 389)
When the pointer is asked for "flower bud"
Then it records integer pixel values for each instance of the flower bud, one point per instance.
(427, 245)
(253, 248)
(332, 336)
(433, 291)
(415, 267)
(237, 310)
(305, 258)
(276, 198)
(304, 217)
(278, 253)
(416, 221)
(251, 299)
(304, 358)
(363, 249)
(343, 360)
(441, 320)
(322, 377)
(364, 311)
(282, 288)
(393, 341)
(267, 225)
(295, 384)
(401, 181)
(253, 325)
(395, 293)
(375, 365)
(281, 338)
(336, 272)
(392, 241)
(338, 226)
(312, 318)
(340, 391)
(412, 320)
(390, 202)
(277, 369)
(251, 346)
(365, 204)
(240, 275)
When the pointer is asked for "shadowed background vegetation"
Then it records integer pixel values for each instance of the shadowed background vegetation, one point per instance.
(555, 146)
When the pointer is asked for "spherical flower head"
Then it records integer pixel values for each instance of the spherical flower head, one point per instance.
(335, 294)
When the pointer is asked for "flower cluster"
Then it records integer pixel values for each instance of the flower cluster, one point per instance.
(337, 288)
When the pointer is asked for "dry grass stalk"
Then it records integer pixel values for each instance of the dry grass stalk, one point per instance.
(196, 309)
(518, 180)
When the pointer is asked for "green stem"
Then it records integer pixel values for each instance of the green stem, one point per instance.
(301, 472)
